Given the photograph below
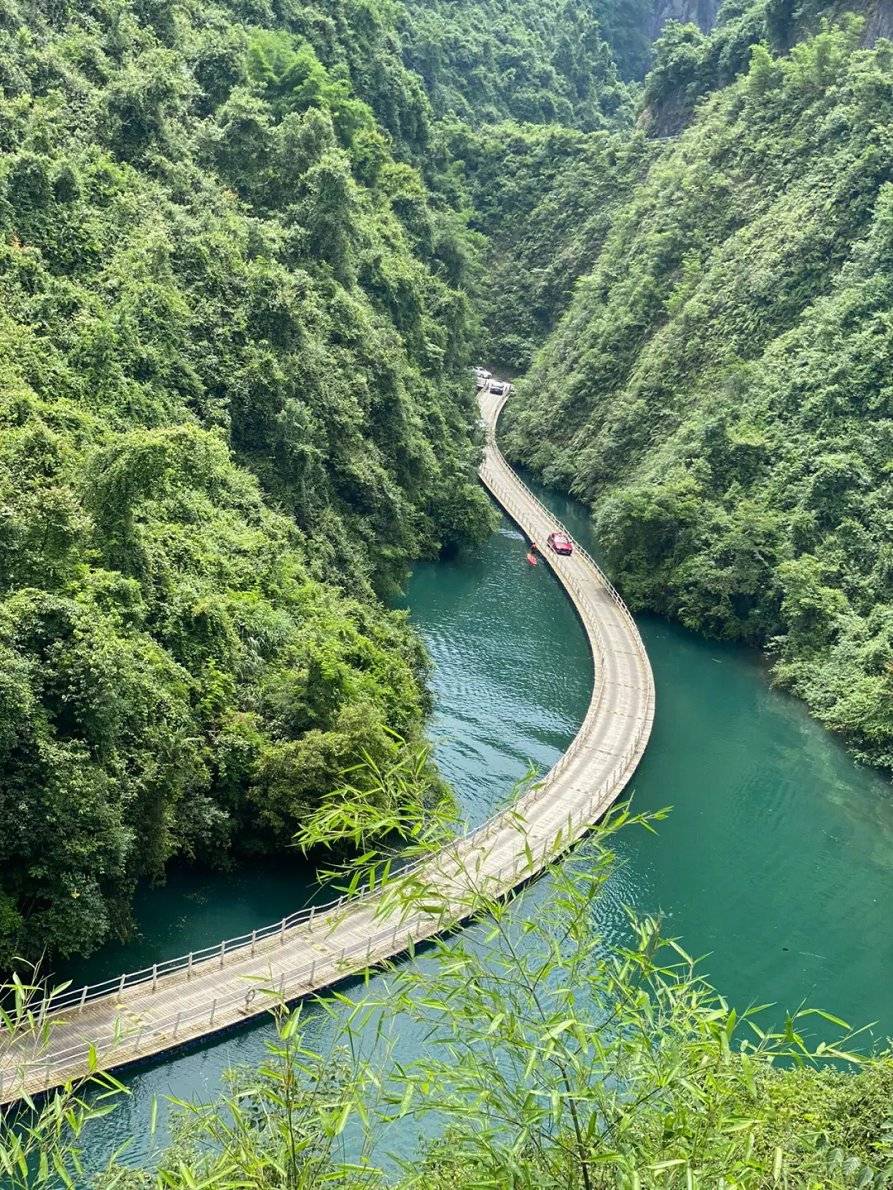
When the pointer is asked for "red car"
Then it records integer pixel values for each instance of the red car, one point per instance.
(560, 543)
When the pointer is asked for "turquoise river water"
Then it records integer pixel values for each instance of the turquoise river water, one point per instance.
(776, 863)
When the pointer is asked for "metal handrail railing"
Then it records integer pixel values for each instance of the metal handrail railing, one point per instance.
(605, 581)
(80, 996)
(170, 1026)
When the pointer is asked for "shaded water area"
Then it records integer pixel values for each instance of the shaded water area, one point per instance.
(776, 863)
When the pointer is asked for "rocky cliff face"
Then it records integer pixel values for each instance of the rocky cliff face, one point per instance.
(700, 12)
(878, 20)
(631, 26)
(878, 14)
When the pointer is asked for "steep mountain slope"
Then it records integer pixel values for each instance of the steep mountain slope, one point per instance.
(631, 27)
(690, 62)
(230, 330)
(720, 387)
(543, 197)
(536, 61)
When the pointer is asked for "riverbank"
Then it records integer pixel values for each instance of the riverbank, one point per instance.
(776, 863)
(177, 1001)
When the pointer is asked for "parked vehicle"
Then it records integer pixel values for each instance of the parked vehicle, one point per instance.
(498, 388)
(560, 543)
(481, 376)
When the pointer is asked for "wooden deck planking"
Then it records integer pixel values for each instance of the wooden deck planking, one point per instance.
(215, 994)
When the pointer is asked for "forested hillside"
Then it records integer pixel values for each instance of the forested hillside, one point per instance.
(537, 61)
(631, 27)
(689, 62)
(543, 197)
(247, 254)
(249, 250)
(720, 387)
(230, 329)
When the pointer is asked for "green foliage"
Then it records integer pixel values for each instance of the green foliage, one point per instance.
(628, 27)
(524, 60)
(543, 197)
(41, 1145)
(527, 98)
(552, 1060)
(245, 251)
(719, 388)
(232, 413)
(689, 64)
(176, 679)
(384, 812)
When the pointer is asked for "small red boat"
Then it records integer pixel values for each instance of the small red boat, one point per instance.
(531, 558)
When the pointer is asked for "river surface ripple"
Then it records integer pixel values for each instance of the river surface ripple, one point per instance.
(776, 863)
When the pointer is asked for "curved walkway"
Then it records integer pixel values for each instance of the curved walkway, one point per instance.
(147, 1012)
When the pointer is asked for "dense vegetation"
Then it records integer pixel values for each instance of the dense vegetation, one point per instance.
(543, 196)
(229, 336)
(237, 273)
(553, 1063)
(539, 61)
(690, 62)
(719, 389)
(248, 249)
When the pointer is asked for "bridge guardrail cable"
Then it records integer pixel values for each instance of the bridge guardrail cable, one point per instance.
(429, 924)
(581, 818)
(505, 484)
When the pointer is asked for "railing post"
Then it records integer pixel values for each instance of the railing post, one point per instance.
(587, 586)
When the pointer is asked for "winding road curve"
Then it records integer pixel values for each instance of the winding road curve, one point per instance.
(160, 1008)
